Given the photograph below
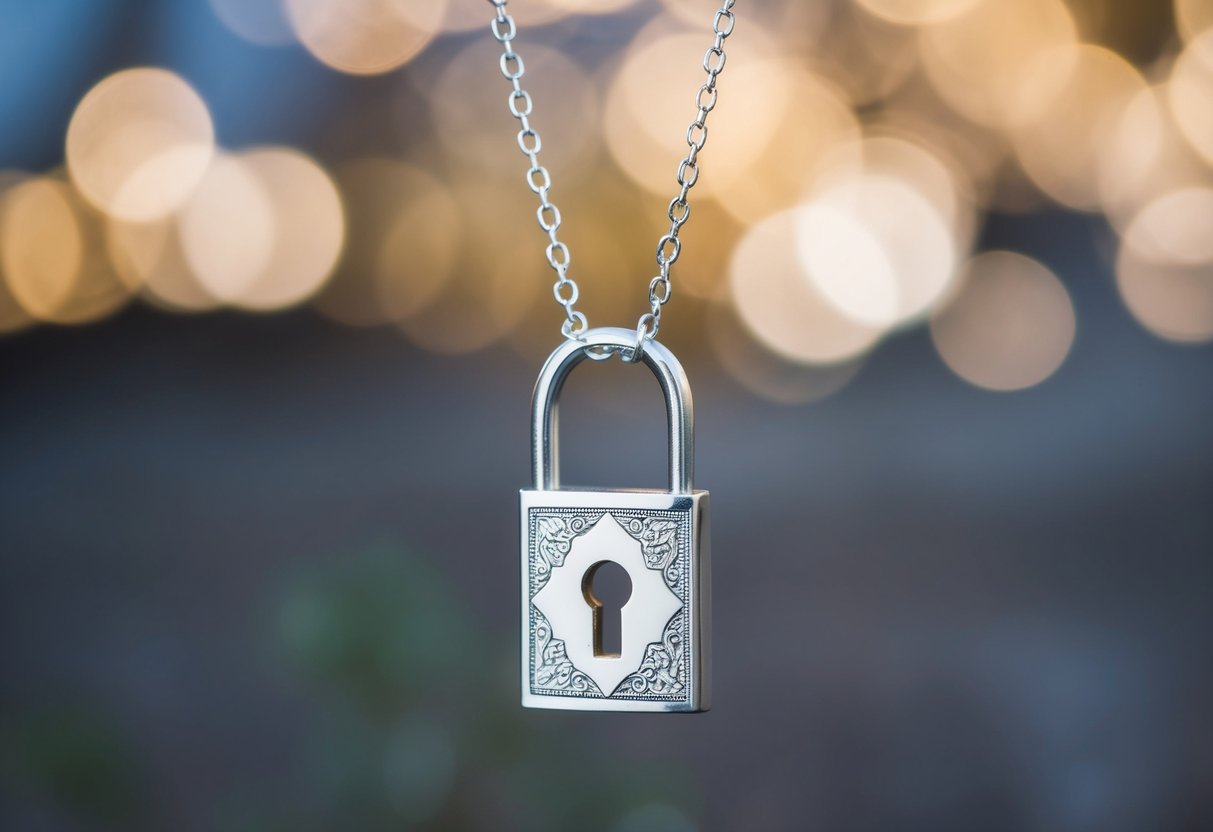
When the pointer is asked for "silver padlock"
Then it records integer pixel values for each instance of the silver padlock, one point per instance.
(659, 537)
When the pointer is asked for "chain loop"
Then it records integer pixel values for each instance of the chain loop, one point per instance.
(561, 263)
(568, 330)
(667, 289)
(669, 246)
(566, 302)
(520, 95)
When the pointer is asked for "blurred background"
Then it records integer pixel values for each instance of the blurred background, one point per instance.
(273, 300)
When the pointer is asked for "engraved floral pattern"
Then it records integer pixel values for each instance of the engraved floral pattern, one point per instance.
(657, 536)
(662, 673)
(554, 538)
(553, 670)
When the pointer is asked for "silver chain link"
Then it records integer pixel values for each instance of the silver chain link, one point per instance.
(537, 177)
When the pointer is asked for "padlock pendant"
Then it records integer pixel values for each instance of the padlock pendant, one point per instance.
(660, 538)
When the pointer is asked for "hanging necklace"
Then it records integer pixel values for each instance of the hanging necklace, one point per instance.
(659, 538)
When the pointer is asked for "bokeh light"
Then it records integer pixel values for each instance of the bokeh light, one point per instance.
(646, 123)
(781, 307)
(228, 228)
(13, 318)
(1172, 300)
(1193, 18)
(418, 249)
(1191, 94)
(403, 232)
(54, 263)
(591, 6)
(263, 231)
(933, 176)
(42, 245)
(806, 107)
(309, 226)
(365, 37)
(752, 365)
(492, 287)
(914, 12)
(1010, 325)
(867, 58)
(845, 261)
(874, 244)
(977, 59)
(926, 134)
(865, 144)
(263, 22)
(474, 15)
(795, 24)
(139, 143)
(150, 256)
(1143, 157)
(1062, 151)
(1164, 270)
(1174, 228)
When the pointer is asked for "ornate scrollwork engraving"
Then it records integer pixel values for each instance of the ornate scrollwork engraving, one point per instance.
(665, 541)
(554, 537)
(553, 670)
(657, 537)
(663, 671)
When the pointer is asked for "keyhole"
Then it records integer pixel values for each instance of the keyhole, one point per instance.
(607, 588)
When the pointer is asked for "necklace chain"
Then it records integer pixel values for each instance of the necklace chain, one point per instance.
(540, 181)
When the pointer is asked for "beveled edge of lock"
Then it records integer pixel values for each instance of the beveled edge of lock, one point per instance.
(601, 497)
(537, 702)
(595, 489)
(699, 699)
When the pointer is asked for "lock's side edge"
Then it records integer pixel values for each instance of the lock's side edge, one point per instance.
(524, 640)
(702, 688)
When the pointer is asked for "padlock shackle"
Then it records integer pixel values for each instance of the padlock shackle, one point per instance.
(680, 411)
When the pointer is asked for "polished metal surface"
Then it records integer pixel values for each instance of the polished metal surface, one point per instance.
(680, 408)
(661, 539)
(669, 246)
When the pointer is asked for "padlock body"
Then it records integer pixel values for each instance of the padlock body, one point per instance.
(661, 540)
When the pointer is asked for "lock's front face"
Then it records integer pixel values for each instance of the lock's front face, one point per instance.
(661, 541)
